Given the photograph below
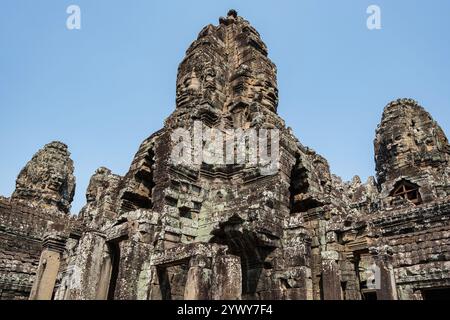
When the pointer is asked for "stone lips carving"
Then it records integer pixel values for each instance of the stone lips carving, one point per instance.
(200, 230)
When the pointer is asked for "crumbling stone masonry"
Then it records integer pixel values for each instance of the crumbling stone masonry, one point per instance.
(228, 231)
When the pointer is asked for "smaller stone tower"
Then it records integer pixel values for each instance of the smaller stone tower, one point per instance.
(47, 180)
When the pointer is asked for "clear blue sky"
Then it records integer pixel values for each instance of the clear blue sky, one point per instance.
(106, 87)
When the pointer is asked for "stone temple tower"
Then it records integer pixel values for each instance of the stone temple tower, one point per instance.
(411, 152)
(201, 229)
(224, 202)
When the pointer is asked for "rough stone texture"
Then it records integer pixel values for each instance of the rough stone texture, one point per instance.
(44, 191)
(411, 146)
(101, 196)
(47, 180)
(196, 230)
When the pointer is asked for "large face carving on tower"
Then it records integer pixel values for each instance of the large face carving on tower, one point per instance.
(200, 78)
(227, 66)
(410, 145)
(47, 180)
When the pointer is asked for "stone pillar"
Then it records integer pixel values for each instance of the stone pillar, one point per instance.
(299, 284)
(353, 290)
(50, 260)
(105, 275)
(227, 278)
(331, 280)
(386, 289)
(84, 267)
(295, 283)
(198, 283)
(155, 288)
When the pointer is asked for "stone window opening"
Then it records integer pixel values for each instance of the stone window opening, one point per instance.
(197, 206)
(408, 191)
(185, 213)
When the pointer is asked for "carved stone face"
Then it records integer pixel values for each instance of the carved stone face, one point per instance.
(407, 142)
(91, 193)
(48, 178)
(55, 183)
(189, 85)
(187, 89)
(209, 79)
(98, 184)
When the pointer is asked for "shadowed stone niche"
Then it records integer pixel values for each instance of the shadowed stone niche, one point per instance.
(197, 272)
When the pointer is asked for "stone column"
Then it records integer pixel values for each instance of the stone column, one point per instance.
(84, 267)
(198, 283)
(386, 289)
(227, 278)
(331, 280)
(295, 283)
(105, 275)
(155, 285)
(50, 260)
(353, 290)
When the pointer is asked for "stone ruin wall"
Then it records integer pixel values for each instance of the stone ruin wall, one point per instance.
(198, 231)
(19, 251)
(22, 232)
(40, 202)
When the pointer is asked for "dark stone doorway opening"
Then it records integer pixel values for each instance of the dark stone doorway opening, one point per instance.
(436, 294)
(244, 244)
